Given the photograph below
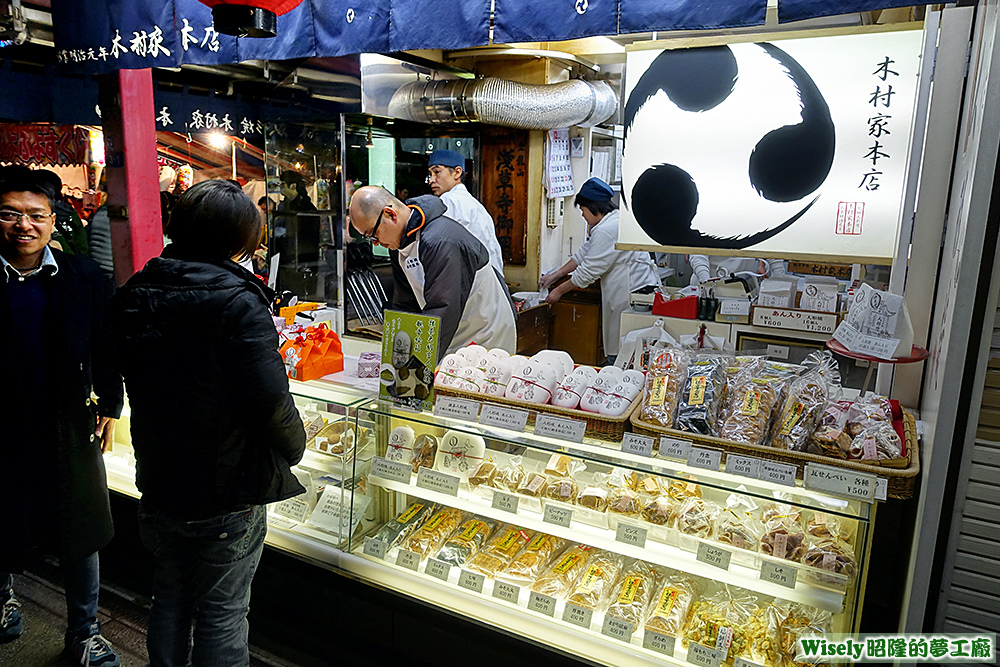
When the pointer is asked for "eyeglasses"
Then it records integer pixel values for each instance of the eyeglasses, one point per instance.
(9, 216)
(371, 236)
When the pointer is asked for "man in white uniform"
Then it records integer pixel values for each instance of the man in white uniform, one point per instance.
(446, 170)
(620, 271)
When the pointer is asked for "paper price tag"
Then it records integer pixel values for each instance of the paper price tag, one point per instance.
(505, 502)
(543, 604)
(881, 488)
(840, 481)
(408, 560)
(629, 534)
(745, 466)
(293, 509)
(280, 522)
(438, 569)
(391, 470)
(572, 430)
(434, 480)
(375, 548)
(672, 448)
(509, 418)
(471, 581)
(740, 662)
(781, 574)
(639, 445)
(460, 408)
(658, 642)
(617, 628)
(707, 459)
(702, 655)
(778, 473)
(577, 615)
(559, 516)
(506, 592)
(714, 556)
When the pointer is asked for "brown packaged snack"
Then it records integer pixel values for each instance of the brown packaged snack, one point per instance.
(633, 589)
(533, 485)
(830, 437)
(831, 554)
(802, 621)
(866, 413)
(467, 540)
(400, 528)
(624, 501)
(725, 615)
(425, 448)
(671, 604)
(663, 384)
(558, 465)
(563, 572)
(535, 555)
(749, 410)
(509, 477)
(878, 443)
(594, 587)
(695, 517)
(806, 400)
(779, 511)
(681, 490)
(825, 526)
(658, 510)
(482, 474)
(783, 538)
(649, 486)
(701, 395)
(737, 528)
(563, 488)
(500, 550)
(429, 537)
(594, 498)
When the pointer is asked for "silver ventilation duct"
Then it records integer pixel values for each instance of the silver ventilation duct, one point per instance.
(506, 103)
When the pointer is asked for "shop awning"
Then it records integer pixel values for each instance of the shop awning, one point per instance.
(107, 35)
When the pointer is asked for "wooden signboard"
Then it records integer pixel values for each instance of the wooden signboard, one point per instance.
(842, 271)
(504, 190)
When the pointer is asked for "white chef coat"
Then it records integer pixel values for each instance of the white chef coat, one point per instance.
(466, 209)
(620, 272)
(706, 267)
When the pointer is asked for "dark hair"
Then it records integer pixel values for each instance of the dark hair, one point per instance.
(214, 220)
(262, 200)
(292, 177)
(17, 178)
(596, 207)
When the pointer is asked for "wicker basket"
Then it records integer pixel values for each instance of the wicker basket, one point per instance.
(901, 481)
(601, 427)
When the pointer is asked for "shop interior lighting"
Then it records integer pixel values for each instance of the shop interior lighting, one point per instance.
(370, 143)
(218, 140)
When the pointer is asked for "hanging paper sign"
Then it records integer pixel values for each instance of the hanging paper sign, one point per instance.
(44, 144)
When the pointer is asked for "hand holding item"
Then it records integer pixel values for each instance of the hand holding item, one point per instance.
(105, 431)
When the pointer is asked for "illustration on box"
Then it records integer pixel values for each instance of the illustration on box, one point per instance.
(409, 355)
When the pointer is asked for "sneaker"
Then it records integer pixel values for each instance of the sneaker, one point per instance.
(93, 650)
(11, 624)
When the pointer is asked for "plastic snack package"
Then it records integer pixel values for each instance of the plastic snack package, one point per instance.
(682, 490)
(663, 385)
(563, 572)
(658, 510)
(482, 474)
(621, 477)
(802, 621)
(764, 629)
(509, 477)
(807, 397)
(721, 622)
(783, 537)
(632, 593)
(831, 437)
(671, 604)
(425, 448)
(533, 485)
(533, 557)
(876, 443)
(594, 587)
(467, 540)
(624, 501)
(593, 497)
(701, 394)
(737, 527)
(563, 489)
(695, 517)
(826, 526)
(779, 510)
(752, 405)
(831, 554)
(429, 537)
(868, 412)
(506, 542)
(403, 525)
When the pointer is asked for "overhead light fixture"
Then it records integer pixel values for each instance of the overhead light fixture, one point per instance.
(370, 143)
(218, 140)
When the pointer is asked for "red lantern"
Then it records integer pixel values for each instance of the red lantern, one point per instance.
(249, 18)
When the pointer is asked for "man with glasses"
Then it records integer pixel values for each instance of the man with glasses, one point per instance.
(438, 269)
(55, 354)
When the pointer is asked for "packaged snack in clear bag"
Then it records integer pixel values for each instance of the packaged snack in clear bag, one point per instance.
(778, 510)
(467, 540)
(657, 510)
(737, 527)
(533, 485)
(831, 437)
(701, 394)
(594, 587)
(509, 477)
(624, 502)
(764, 629)
(750, 409)
(807, 397)
(679, 489)
(500, 550)
(868, 412)
(877, 443)
(632, 592)
(826, 526)
(663, 385)
(533, 557)
(403, 525)
(482, 474)
(425, 448)
(429, 537)
(564, 571)
(831, 554)
(564, 489)
(783, 537)
(802, 621)
(695, 517)
(671, 603)
(721, 622)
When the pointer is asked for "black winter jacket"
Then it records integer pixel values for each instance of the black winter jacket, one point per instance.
(213, 425)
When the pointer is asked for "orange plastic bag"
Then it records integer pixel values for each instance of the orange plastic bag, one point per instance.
(313, 354)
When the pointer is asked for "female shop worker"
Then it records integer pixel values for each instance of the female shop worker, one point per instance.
(620, 271)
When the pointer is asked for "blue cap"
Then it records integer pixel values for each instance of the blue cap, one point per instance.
(446, 159)
(596, 190)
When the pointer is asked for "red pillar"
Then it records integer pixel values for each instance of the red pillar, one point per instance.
(129, 122)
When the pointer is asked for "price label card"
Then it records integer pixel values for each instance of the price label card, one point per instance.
(778, 473)
(293, 508)
(840, 481)
(881, 488)
(636, 444)
(778, 573)
(672, 448)
(460, 408)
(702, 655)
(577, 615)
(740, 662)
(617, 628)
(708, 459)
(438, 569)
(505, 502)
(560, 516)
(629, 534)
(543, 604)
(409, 560)
(435, 480)
(471, 581)
(658, 642)
(506, 592)
(391, 470)
(572, 430)
(280, 522)
(510, 418)
(375, 548)
(714, 556)
(746, 466)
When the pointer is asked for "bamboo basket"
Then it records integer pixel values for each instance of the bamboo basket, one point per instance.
(600, 427)
(901, 481)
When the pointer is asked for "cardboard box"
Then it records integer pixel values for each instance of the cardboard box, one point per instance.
(778, 292)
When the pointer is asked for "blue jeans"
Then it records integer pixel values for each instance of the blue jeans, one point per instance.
(83, 582)
(202, 576)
